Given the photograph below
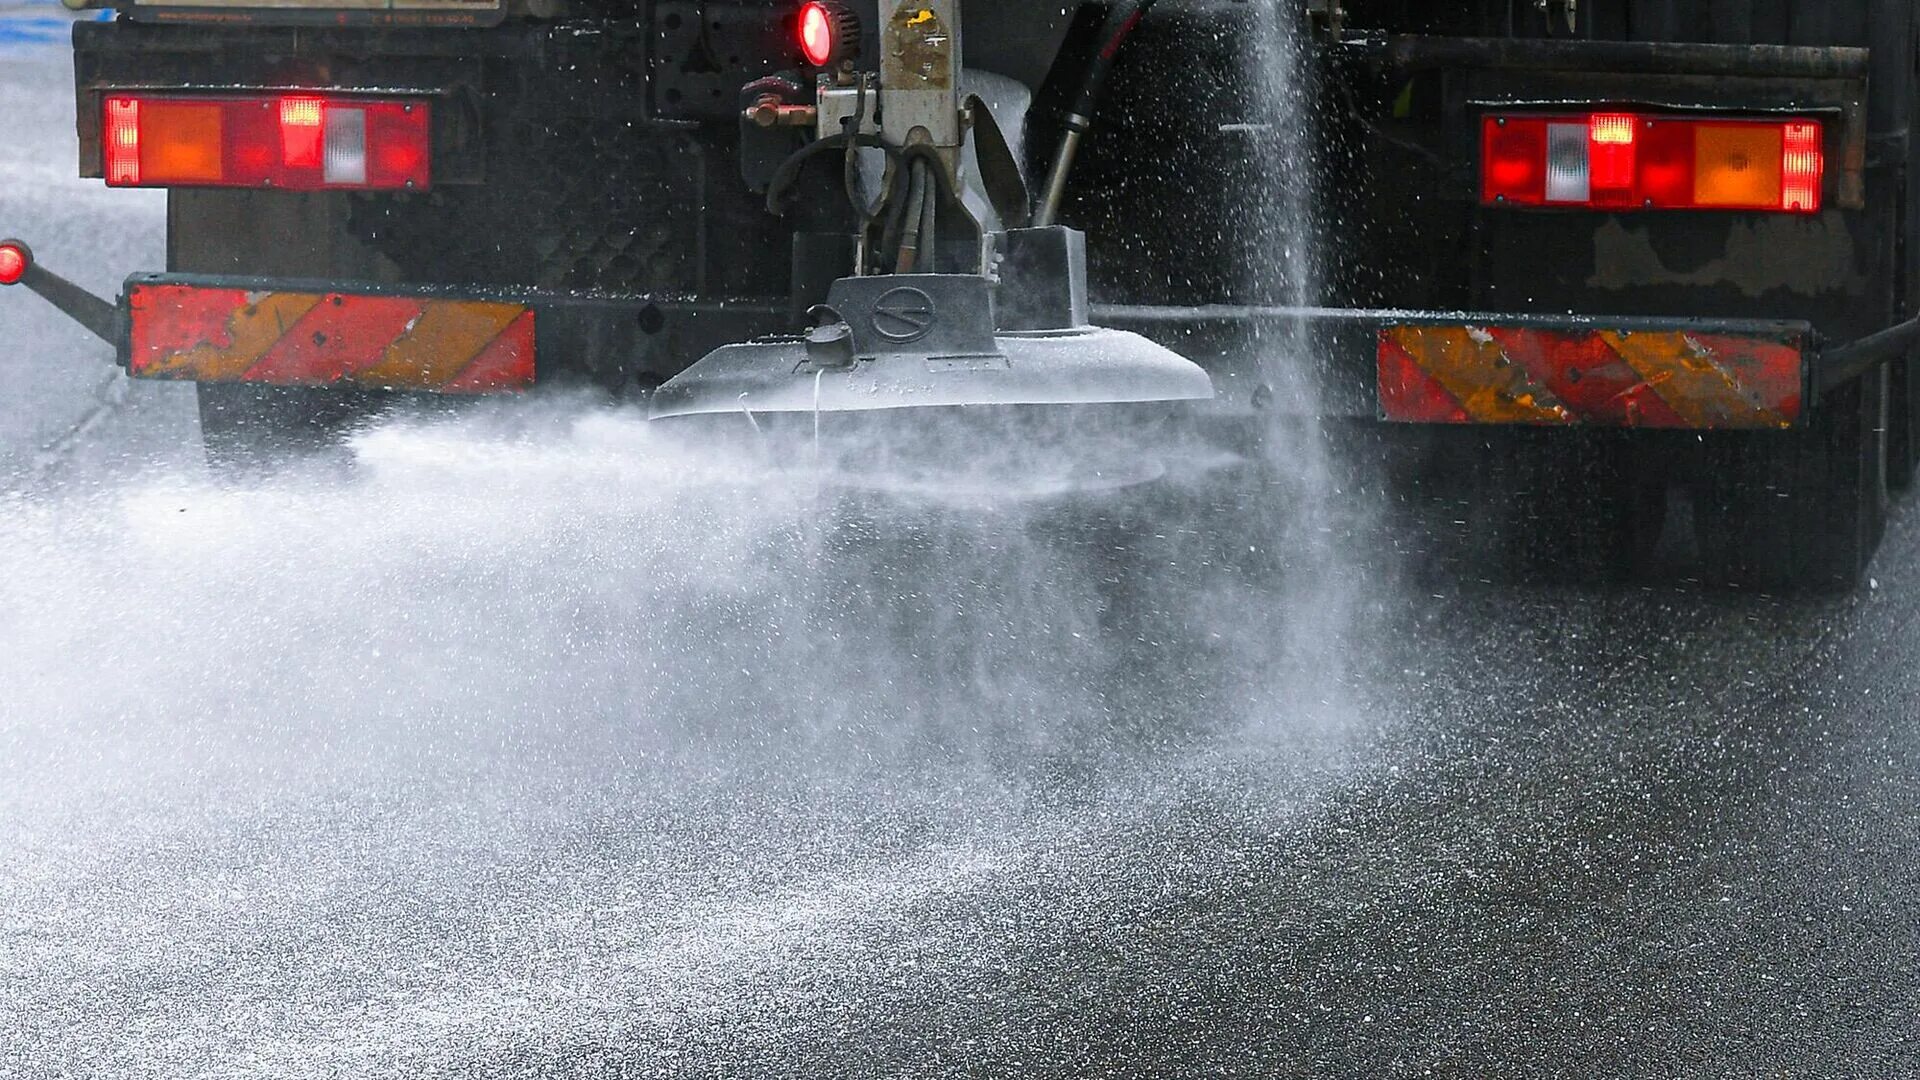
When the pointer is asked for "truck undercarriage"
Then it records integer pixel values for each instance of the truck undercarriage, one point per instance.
(1678, 230)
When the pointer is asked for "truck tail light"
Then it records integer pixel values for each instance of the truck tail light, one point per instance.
(300, 131)
(1805, 164)
(1625, 161)
(1514, 160)
(122, 135)
(300, 142)
(1610, 156)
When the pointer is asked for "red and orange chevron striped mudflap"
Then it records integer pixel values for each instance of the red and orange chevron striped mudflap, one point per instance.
(1694, 376)
(465, 340)
(291, 336)
(1457, 368)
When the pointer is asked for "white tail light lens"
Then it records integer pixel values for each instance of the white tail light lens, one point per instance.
(346, 161)
(1568, 178)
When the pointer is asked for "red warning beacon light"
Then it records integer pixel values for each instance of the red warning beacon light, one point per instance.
(828, 33)
(14, 260)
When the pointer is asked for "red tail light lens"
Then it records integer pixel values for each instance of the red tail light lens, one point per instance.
(1514, 159)
(1627, 161)
(1805, 167)
(298, 142)
(122, 135)
(301, 131)
(1610, 158)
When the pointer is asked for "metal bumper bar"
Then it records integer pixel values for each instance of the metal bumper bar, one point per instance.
(1397, 366)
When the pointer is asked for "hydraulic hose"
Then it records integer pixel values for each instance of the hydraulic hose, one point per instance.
(1122, 18)
(918, 199)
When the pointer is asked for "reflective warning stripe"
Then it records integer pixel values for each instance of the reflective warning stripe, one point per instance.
(1603, 377)
(330, 339)
(1687, 377)
(1472, 368)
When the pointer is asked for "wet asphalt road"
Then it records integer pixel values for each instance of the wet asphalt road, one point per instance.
(539, 746)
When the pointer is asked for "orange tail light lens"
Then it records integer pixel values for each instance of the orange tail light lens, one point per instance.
(181, 144)
(1739, 165)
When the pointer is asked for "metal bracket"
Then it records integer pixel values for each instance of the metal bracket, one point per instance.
(1572, 8)
(98, 317)
(1327, 13)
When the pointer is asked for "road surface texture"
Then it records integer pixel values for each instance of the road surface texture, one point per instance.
(539, 743)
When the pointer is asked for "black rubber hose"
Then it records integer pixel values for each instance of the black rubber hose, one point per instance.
(917, 199)
(929, 228)
(1123, 17)
(896, 226)
(789, 170)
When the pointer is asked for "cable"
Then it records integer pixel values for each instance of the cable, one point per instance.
(896, 224)
(1122, 19)
(789, 170)
(850, 173)
(909, 259)
(929, 230)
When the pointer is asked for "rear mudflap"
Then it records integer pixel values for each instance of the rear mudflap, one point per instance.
(1543, 371)
(459, 341)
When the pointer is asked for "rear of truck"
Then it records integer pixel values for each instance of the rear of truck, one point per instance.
(1620, 249)
(464, 198)
(1641, 269)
